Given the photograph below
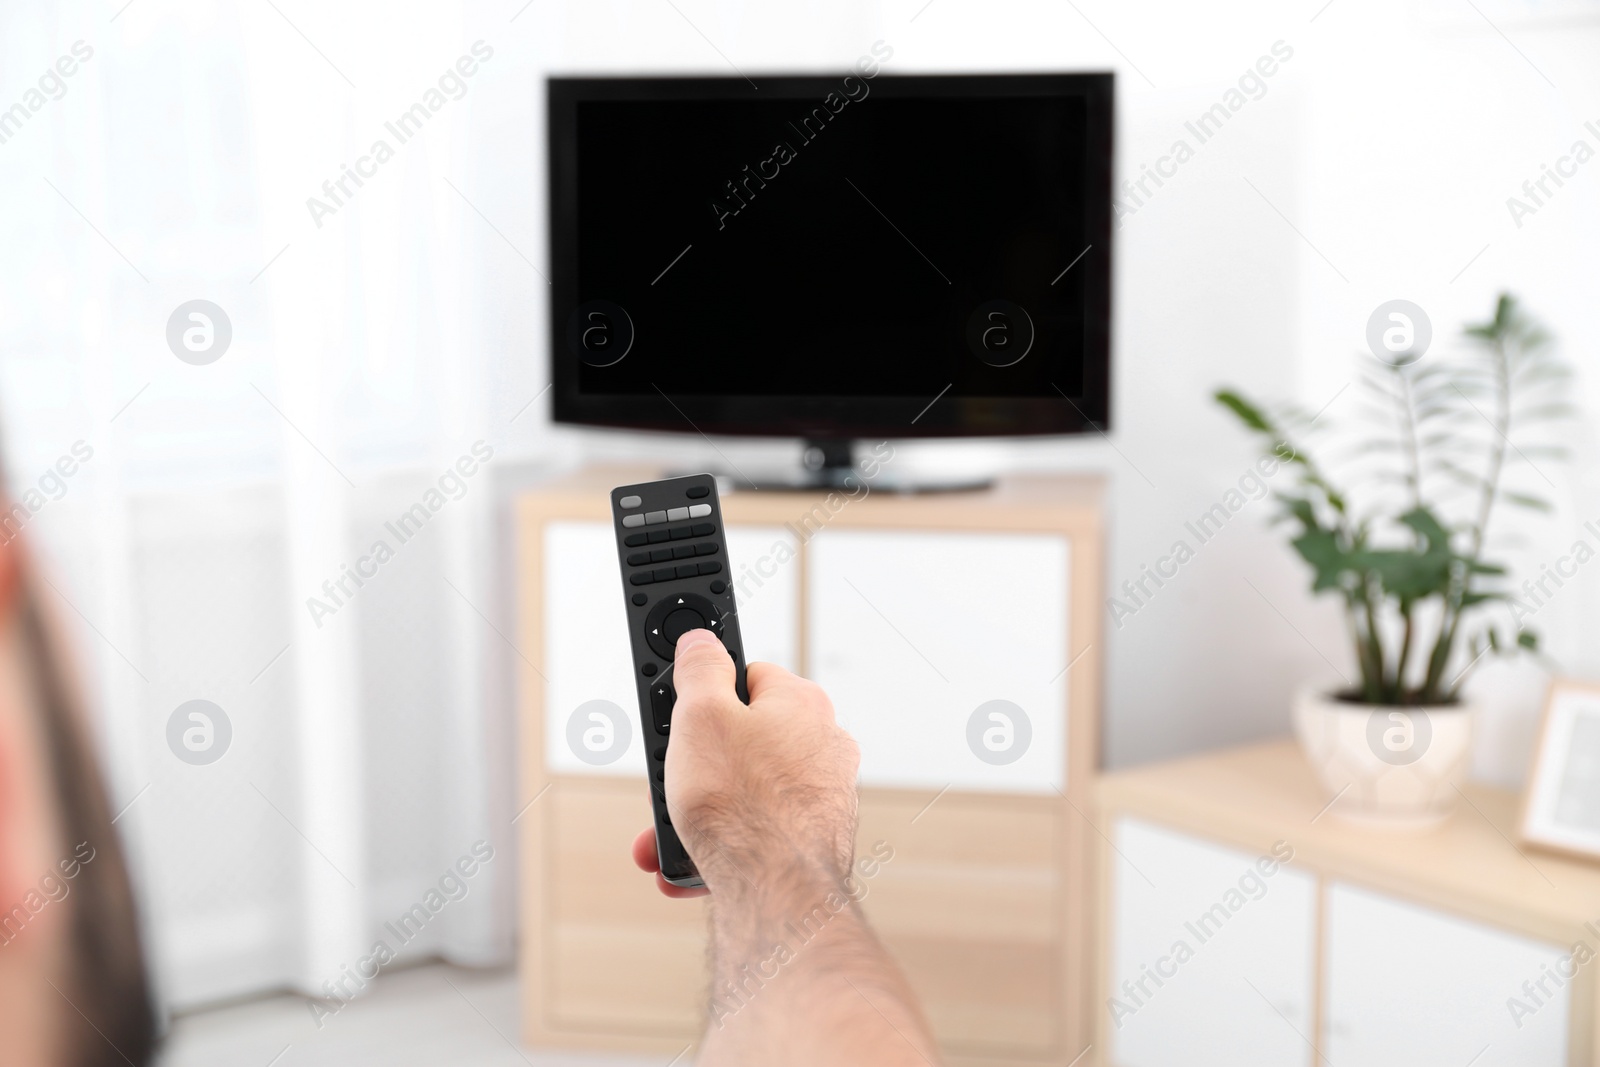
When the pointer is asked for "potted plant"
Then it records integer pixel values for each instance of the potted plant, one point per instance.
(1408, 560)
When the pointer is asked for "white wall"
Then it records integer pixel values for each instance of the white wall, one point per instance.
(1389, 140)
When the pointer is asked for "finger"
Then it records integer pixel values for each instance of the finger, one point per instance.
(644, 851)
(767, 679)
(645, 858)
(702, 669)
(764, 677)
(678, 892)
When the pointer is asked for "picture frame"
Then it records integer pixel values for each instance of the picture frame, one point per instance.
(1561, 804)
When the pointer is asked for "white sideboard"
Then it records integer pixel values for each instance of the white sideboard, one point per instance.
(1379, 948)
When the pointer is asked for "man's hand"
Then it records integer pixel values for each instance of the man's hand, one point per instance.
(771, 786)
(758, 790)
(764, 799)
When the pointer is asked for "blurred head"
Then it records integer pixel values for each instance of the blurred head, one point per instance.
(73, 989)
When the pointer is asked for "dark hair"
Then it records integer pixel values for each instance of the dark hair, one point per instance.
(109, 1020)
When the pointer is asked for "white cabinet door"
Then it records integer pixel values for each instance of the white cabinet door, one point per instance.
(912, 632)
(1408, 986)
(1211, 955)
(587, 656)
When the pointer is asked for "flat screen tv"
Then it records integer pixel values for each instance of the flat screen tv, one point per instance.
(832, 257)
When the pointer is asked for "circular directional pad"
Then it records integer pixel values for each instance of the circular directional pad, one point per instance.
(675, 615)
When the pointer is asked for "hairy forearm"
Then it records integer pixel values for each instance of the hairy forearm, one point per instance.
(799, 978)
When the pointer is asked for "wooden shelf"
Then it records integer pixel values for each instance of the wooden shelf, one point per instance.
(1472, 864)
(1019, 502)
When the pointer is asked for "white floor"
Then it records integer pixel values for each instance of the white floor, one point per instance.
(434, 1016)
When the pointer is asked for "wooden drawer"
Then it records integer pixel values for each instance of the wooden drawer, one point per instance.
(970, 906)
(621, 957)
(967, 904)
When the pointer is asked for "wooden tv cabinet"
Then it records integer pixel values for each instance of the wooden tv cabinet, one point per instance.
(912, 611)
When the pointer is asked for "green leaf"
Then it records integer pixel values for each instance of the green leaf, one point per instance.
(1246, 412)
(1523, 500)
(1425, 523)
(1329, 561)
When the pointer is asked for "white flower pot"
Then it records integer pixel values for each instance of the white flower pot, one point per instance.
(1396, 767)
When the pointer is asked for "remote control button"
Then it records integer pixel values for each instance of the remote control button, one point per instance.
(665, 574)
(648, 669)
(699, 511)
(680, 532)
(681, 622)
(719, 587)
(630, 502)
(706, 548)
(703, 529)
(636, 559)
(683, 551)
(641, 578)
(711, 567)
(653, 518)
(697, 491)
(659, 753)
(635, 519)
(660, 555)
(635, 540)
(678, 514)
(661, 775)
(655, 537)
(686, 570)
(639, 599)
(687, 611)
(661, 700)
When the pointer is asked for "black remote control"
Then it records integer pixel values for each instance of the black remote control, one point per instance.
(676, 577)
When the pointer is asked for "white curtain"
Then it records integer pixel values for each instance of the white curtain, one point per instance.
(369, 764)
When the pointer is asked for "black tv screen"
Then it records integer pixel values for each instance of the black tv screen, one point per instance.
(832, 256)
